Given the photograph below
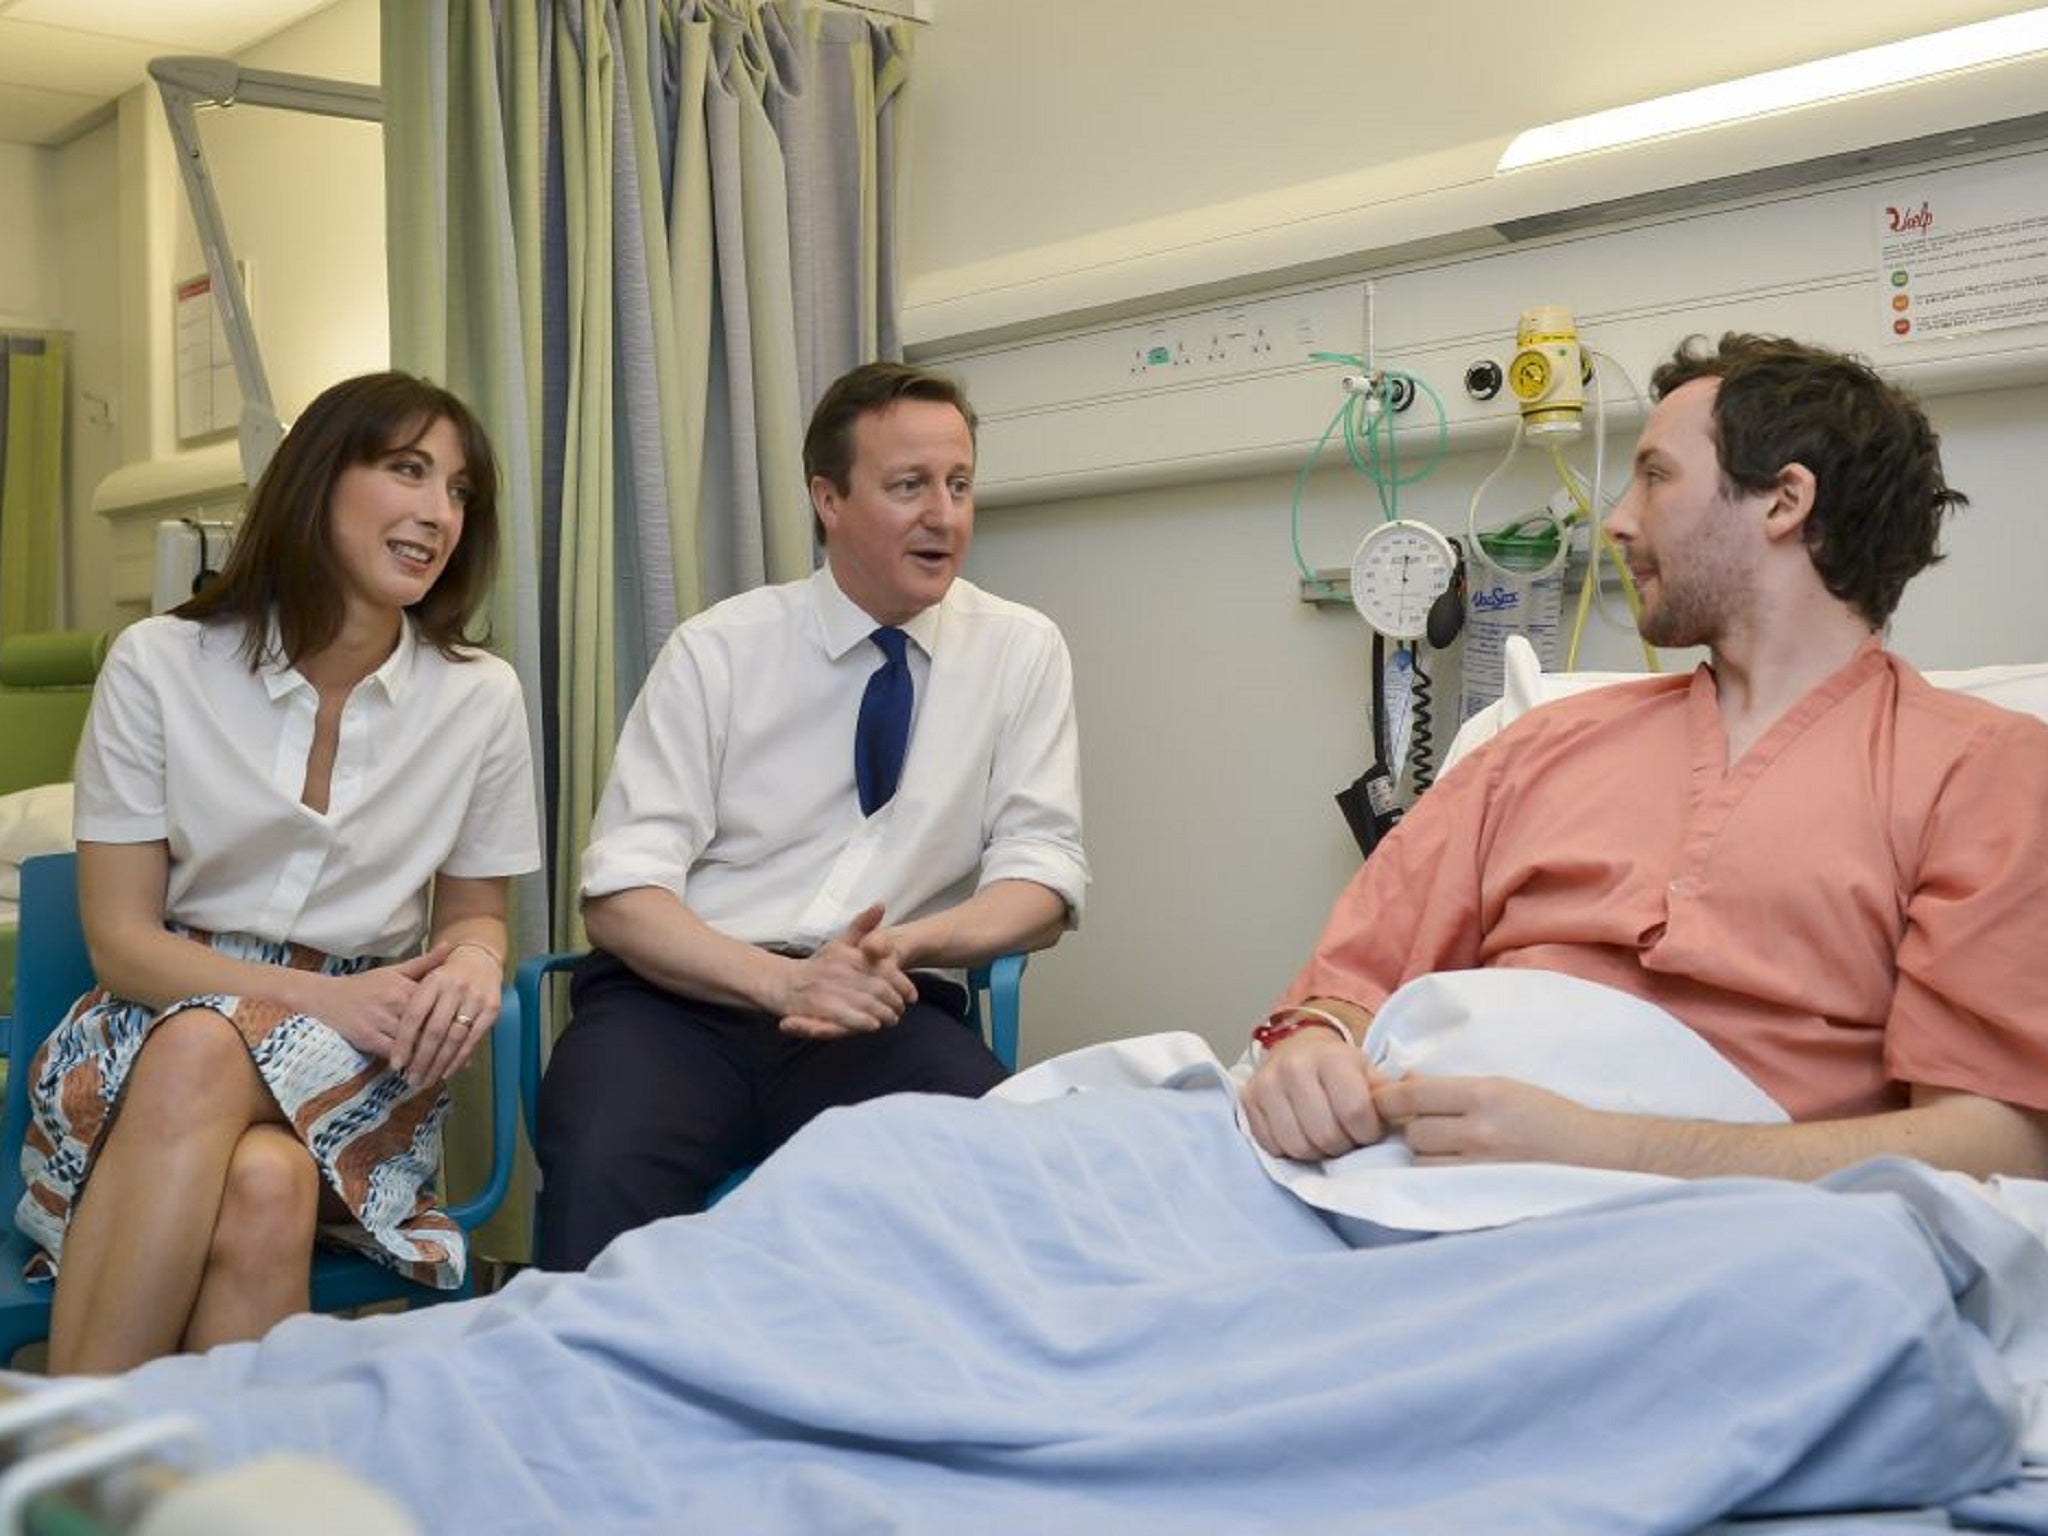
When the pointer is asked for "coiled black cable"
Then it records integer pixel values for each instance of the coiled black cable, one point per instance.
(1421, 741)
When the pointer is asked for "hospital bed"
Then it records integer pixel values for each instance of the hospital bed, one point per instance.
(1525, 685)
(1090, 1306)
(1096, 1314)
(74, 1463)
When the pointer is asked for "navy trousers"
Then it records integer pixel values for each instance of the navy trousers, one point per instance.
(651, 1101)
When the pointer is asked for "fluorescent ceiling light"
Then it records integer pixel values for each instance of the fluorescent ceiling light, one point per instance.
(1780, 90)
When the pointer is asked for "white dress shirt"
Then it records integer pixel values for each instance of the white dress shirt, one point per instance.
(733, 783)
(432, 774)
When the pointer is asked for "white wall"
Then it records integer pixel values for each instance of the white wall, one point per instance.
(1219, 714)
(1983, 603)
(28, 263)
(303, 199)
(1040, 122)
(93, 234)
(58, 248)
(87, 231)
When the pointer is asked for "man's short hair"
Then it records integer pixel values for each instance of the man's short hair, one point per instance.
(828, 444)
(1880, 495)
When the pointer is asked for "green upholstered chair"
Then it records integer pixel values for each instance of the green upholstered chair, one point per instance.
(46, 683)
(45, 688)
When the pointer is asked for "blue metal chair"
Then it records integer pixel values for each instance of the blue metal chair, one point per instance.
(993, 1011)
(53, 973)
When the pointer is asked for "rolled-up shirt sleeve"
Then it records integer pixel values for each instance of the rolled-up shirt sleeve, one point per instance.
(1034, 795)
(500, 832)
(659, 808)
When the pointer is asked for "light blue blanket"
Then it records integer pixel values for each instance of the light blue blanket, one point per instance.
(1097, 1314)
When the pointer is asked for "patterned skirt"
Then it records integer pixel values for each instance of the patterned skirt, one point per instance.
(376, 1139)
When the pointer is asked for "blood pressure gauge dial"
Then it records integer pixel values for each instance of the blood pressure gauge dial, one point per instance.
(1400, 569)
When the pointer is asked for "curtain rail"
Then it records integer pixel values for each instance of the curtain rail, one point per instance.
(919, 11)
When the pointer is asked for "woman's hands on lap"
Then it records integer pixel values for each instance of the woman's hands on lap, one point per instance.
(454, 1006)
(368, 1009)
(424, 1016)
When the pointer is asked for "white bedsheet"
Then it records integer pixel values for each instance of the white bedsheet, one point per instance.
(1590, 1043)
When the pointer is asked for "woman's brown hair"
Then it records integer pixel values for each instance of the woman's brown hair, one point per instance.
(283, 562)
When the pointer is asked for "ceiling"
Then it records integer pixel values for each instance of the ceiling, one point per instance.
(63, 62)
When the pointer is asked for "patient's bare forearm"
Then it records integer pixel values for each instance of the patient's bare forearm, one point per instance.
(1498, 1119)
(1958, 1131)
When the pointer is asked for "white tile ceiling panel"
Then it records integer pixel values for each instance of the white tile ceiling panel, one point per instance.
(56, 58)
(62, 60)
(187, 26)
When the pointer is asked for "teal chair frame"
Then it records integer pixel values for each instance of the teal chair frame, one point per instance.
(994, 1009)
(53, 973)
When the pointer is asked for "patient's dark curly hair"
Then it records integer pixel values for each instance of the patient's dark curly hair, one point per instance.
(1879, 497)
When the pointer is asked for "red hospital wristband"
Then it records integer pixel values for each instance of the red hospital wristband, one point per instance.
(1291, 1022)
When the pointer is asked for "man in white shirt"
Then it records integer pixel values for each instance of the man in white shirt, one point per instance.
(772, 918)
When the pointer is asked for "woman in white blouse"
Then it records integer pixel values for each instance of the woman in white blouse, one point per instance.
(284, 787)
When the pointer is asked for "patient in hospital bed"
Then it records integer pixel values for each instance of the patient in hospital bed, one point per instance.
(1833, 872)
(1781, 918)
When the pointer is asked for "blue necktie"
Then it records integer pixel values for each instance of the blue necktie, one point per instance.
(882, 735)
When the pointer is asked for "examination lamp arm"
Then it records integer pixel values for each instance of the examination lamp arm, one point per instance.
(210, 82)
(189, 83)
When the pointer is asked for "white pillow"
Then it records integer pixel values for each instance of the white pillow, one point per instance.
(1524, 687)
(2023, 687)
(32, 821)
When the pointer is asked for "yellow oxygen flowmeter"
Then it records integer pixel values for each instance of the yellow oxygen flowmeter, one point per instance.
(1547, 373)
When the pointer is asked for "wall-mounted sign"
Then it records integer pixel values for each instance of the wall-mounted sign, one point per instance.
(1959, 255)
(209, 401)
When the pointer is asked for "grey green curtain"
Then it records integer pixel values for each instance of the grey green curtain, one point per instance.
(31, 481)
(641, 237)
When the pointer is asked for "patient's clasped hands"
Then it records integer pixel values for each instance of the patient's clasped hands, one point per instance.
(852, 985)
(1316, 1095)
